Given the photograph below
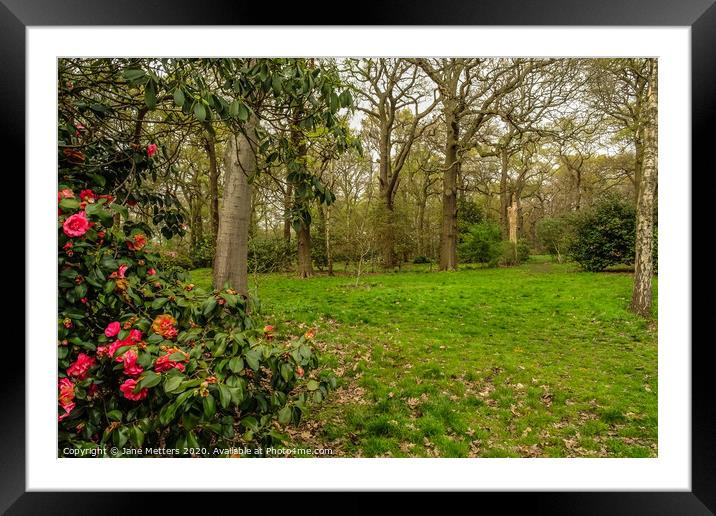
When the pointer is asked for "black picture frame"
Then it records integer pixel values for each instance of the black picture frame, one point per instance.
(700, 15)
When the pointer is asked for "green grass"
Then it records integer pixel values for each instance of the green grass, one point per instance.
(531, 361)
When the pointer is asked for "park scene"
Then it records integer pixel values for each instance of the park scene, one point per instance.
(357, 257)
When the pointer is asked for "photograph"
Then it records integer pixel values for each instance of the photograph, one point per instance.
(357, 257)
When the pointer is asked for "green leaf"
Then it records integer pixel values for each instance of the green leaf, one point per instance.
(137, 436)
(150, 95)
(121, 437)
(133, 74)
(148, 379)
(252, 358)
(122, 210)
(179, 97)
(243, 113)
(209, 406)
(177, 357)
(236, 364)
(234, 109)
(312, 385)
(159, 302)
(200, 111)
(69, 204)
(114, 415)
(284, 415)
(155, 338)
(172, 383)
(167, 412)
(224, 395)
(209, 305)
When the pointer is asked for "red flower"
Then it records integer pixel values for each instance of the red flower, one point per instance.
(116, 345)
(299, 372)
(108, 197)
(268, 329)
(76, 225)
(122, 269)
(112, 329)
(135, 335)
(164, 326)
(127, 389)
(151, 149)
(87, 195)
(163, 363)
(137, 243)
(309, 334)
(80, 367)
(100, 234)
(67, 391)
(151, 271)
(129, 359)
(83, 300)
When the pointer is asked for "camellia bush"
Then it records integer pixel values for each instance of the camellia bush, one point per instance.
(153, 361)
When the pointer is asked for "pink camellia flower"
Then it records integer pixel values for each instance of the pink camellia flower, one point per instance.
(127, 389)
(151, 271)
(135, 335)
(76, 225)
(111, 350)
(68, 410)
(80, 367)
(112, 329)
(163, 363)
(129, 359)
(65, 193)
(122, 270)
(83, 300)
(101, 351)
(67, 391)
(151, 149)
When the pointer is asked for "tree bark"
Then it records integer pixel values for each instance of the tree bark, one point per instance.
(231, 258)
(213, 185)
(643, 265)
(287, 214)
(448, 234)
(504, 201)
(305, 267)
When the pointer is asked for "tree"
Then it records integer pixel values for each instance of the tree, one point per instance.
(642, 296)
(469, 89)
(396, 104)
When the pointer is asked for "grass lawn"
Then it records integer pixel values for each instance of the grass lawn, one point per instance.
(531, 361)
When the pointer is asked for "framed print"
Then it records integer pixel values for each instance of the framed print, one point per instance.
(519, 370)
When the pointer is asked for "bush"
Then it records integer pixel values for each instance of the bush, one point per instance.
(514, 254)
(421, 259)
(153, 361)
(203, 253)
(269, 254)
(481, 244)
(604, 234)
(555, 235)
(172, 260)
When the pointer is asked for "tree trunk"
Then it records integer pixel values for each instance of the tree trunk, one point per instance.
(231, 258)
(643, 265)
(387, 240)
(504, 202)
(213, 186)
(287, 214)
(448, 234)
(305, 268)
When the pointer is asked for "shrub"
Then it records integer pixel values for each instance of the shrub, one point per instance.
(421, 259)
(555, 235)
(269, 254)
(604, 234)
(481, 244)
(149, 360)
(514, 254)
